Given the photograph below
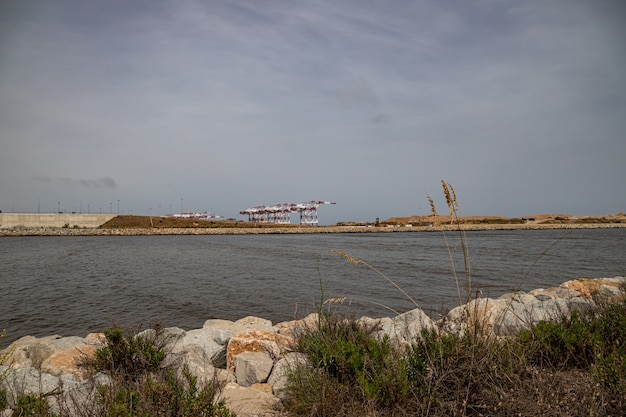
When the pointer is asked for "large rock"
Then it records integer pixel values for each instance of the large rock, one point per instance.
(252, 368)
(69, 361)
(223, 330)
(27, 380)
(275, 345)
(279, 377)
(508, 314)
(408, 326)
(33, 351)
(601, 290)
(167, 337)
(295, 328)
(200, 343)
(249, 402)
(256, 323)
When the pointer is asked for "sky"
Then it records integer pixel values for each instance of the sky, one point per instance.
(153, 106)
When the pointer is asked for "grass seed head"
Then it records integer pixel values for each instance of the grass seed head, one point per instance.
(336, 300)
(449, 199)
(348, 257)
(433, 210)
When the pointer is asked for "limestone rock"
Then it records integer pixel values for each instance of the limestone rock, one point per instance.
(278, 379)
(601, 289)
(252, 367)
(27, 380)
(554, 292)
(408, 326)
(295, 328)
(256, 323)
(258, 341)
(263, 387)
(201, 343)
(223, 330)
(168, 337)
(508, 314)
(249, 402)
(32, 351)
(68, 362)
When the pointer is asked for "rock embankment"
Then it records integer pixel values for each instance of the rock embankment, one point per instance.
(250, 355)
(142, 231)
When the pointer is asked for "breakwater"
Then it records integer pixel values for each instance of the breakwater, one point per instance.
(96, 231)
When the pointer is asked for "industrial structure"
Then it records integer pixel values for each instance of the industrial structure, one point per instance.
(205, 215)
(281, 213)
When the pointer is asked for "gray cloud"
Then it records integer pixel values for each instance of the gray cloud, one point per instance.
(44, 180)
(104, 182)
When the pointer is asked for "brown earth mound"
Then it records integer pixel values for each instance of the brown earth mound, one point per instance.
(501, 220)
(147, 222)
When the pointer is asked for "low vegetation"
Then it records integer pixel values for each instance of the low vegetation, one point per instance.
(575, 366)
(138, 382)
(141, 384)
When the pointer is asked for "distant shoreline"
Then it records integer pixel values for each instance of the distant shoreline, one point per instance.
(56, 231)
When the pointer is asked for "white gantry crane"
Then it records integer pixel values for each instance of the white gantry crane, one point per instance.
(281, 213)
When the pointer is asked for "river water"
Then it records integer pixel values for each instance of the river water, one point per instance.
(76, 285)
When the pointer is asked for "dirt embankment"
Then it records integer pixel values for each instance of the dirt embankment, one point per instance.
(539, 220)
(149, 222)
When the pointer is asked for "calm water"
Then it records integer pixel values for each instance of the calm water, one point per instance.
(76, 285)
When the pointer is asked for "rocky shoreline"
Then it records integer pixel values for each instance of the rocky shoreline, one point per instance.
(57, 231)
(250, 355)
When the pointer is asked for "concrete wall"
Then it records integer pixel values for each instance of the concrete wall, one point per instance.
(12, 220)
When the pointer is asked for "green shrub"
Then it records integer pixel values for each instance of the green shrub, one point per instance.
(163, 394)
(568, 342)
(594, 342)
(130, 356)
(430, 349)
(32, 405)
(142, 386)
(345, 352)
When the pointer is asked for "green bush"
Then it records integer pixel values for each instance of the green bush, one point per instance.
(32, 405)
(142, 386)
(568, 342)
(162, 394)
(595, 341)
(345, 352)
(130, 356)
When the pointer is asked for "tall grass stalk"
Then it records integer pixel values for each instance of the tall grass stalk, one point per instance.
(357, 261)
(453, 208)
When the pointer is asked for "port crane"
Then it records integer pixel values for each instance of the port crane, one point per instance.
(281, 213)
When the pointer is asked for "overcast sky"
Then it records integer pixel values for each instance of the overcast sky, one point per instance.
(221, 105)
